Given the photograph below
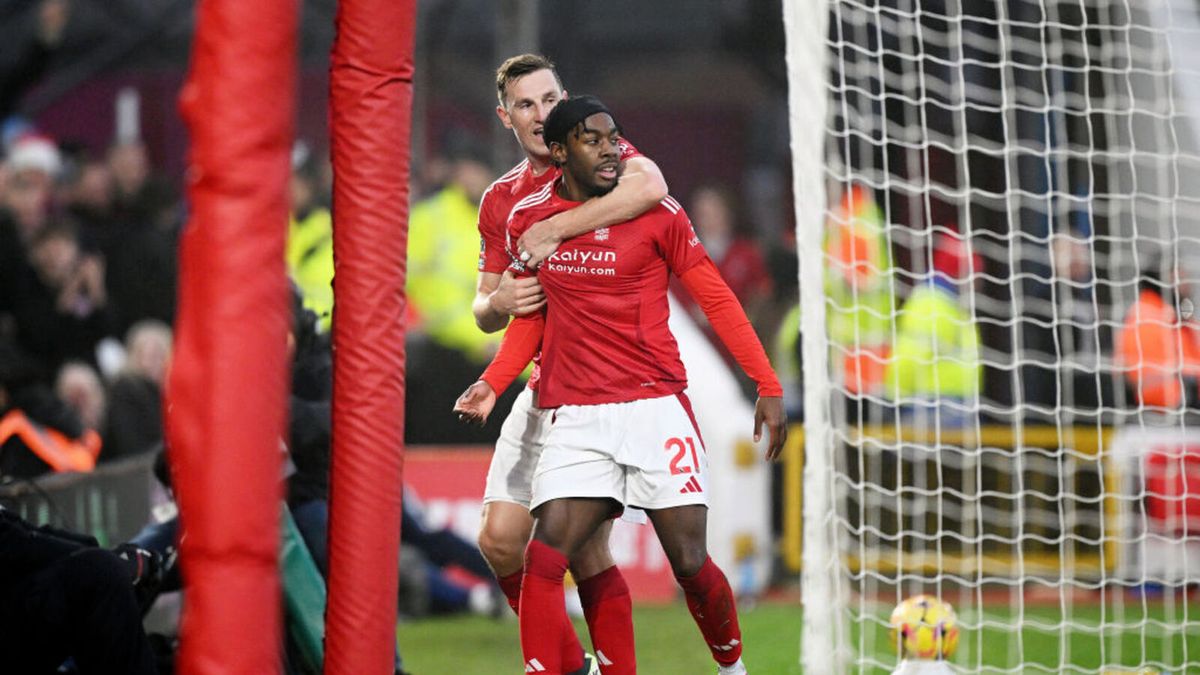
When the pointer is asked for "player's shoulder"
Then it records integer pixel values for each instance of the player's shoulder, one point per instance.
(533, 203)
(667, 211)
(503, 186)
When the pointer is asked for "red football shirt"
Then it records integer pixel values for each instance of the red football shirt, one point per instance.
(499, 200)
(606, 338)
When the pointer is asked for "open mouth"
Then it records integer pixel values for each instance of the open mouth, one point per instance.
(607, 171)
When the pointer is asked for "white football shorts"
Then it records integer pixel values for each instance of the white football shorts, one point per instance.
(522, 437)
(646, 453)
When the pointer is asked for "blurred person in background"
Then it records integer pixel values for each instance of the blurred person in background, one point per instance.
(87, 198)
(23, 64)
(141, 247)
(1085, 384)
(135, 423)
(140, 197)
(738, 259)
(32, 164)
(79, 386)
(29, 407)
(310, 236)
(859, 289)
(935, 371)
(62, 311)
(63, 597)
(727, 240)
(1158, 348)
(445, 348)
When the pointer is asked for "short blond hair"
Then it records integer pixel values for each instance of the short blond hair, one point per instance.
(516, 67)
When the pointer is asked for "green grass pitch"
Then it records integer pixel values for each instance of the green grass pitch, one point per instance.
(669, 644)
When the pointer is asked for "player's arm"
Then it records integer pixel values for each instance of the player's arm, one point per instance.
(639, 188)
(728, 319)
(499, 296)
(520, 344)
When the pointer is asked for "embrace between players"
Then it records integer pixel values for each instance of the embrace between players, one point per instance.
(578, 243)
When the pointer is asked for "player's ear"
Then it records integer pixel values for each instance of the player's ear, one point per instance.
(504, 118)
(558, 152)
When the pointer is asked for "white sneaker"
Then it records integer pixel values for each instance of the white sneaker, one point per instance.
(738, 668)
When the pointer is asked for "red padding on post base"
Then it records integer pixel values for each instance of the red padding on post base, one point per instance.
(227, 389)
(371, 95)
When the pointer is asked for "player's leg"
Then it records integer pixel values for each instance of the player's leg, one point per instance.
(503, 536)
(548, 640)
(607, 605)
(506, 526)
(668, 475)
(681, 530)
(577, 486)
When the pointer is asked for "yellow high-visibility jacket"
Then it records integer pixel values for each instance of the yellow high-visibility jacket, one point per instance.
(936, 354)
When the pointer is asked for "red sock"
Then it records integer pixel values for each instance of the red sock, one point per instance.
(548, 639)
(710, 600)
(511, 587)
(609, 613)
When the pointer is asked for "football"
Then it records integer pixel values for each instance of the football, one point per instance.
(924, 628)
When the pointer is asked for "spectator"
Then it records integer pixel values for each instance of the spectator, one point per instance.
(1158, 352)
(34, 56)
(935, 370)
(446, 349)
(27, 404)
(141, 246)
(310, 237)
(140, 197)
(737, 256)
(32, 165)
(62, 597)
(79, 387)
(1085, 384)
(443, 250)
(858, 285)
(87, 195)
(436, 549)
(62, 310)
(135, 397)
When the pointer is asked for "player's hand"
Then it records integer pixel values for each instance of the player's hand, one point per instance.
(517, 297)
(538, 243)
(475, 404)
(769, 410)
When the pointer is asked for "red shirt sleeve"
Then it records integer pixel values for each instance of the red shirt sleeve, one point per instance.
(728, 319)
(680, 246)
(520, 344)
(627, 149)
(492, 226)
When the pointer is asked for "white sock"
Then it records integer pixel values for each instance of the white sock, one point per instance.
(737, 668)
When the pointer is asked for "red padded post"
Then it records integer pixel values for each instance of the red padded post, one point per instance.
(227, 389)
(370, 105)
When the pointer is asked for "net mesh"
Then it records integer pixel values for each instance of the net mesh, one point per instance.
(1005, 182)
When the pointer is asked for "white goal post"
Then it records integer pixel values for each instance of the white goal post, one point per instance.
(986, 191)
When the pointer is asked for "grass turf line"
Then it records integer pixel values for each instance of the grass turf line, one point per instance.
(668, 642)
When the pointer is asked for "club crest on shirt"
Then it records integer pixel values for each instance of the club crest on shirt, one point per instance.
(602, 234)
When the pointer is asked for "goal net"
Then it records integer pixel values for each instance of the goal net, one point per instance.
(998, 221)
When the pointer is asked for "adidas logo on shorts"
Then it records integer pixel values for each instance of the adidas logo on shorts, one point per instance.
(534, 666)
(692, 485)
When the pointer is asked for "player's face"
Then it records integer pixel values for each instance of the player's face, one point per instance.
(591, 156)
(528, 100)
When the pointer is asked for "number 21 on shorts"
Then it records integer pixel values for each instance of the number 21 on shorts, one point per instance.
(683, 449)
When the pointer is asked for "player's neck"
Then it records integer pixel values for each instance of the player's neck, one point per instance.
(570, 191)
(538, 165)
